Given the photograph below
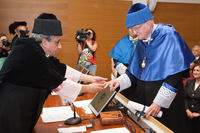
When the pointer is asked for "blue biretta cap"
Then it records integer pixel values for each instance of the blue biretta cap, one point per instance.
(138, 14)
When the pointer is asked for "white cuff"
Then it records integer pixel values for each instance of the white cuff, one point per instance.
(68, 90)
(124, 82)
(165, 95)
(121, 68)
(72, 74)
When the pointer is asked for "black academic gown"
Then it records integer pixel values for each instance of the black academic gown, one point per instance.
(27, 78)
(174, 116)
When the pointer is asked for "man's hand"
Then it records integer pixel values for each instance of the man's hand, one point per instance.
(113, 84)
(153, 110)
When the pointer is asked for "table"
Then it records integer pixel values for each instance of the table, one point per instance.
(54, 100)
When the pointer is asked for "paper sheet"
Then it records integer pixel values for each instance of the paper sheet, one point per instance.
(113, 130)
(54, 114)
(84, 105)
(72, 129)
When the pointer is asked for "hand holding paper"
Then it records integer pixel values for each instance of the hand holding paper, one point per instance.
(140, 107)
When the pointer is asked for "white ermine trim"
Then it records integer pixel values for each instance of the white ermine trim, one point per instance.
(124, 81)
(121, 68)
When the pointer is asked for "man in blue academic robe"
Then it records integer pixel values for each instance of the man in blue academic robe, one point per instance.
(121, 54)
(156, 69)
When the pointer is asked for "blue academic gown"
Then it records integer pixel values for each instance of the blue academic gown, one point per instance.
(123, 50)
(167, 58)
(121, 53)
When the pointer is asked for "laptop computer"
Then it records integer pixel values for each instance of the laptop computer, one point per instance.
(101, 100)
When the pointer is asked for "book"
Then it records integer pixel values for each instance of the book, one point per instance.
(111, 118)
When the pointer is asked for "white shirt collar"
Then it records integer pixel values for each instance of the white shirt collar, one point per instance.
(149, 38)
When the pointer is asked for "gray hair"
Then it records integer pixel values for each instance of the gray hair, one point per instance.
(38, 37)
(196, 46)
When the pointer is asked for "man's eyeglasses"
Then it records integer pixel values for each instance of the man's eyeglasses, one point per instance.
(57, 42)
(136, 28)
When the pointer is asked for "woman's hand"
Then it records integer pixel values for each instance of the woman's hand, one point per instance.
(98, 79)
(189, 114)
(153, 110)
(195, 114)
(113, 84)
(95, 87)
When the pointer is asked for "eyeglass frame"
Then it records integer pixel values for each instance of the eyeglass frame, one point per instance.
(136, 28)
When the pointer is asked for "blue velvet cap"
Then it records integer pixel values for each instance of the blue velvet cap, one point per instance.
(137, 14)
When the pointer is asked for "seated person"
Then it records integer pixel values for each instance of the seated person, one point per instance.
(196, 52)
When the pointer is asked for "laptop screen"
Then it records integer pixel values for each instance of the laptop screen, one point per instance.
(101, 100)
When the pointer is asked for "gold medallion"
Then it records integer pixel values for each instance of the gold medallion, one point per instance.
(143, 64)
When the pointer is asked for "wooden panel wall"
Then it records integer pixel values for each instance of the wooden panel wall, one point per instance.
(184, 17)
(106, 17)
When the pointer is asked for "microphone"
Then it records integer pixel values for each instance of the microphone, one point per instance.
(73, 120)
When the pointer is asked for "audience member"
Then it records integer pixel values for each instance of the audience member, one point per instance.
(191, 73)
(19, 29)
(31, 72)
(4, 48)
(121, 54)
(155, 71)
(192, 100)
(87, 52)
(196, 52)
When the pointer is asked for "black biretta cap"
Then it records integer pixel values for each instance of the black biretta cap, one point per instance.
(47, 24)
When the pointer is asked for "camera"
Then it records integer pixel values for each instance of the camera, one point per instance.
(82, 35)
(23, 33)
(6, 43)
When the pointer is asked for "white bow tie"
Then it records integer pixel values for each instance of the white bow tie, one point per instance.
(133, 39)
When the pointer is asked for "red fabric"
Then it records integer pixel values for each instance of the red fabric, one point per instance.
(186, 79)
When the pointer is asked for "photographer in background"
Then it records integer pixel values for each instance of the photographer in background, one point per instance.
(4, 48)
(19, 29)
(86, 49)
